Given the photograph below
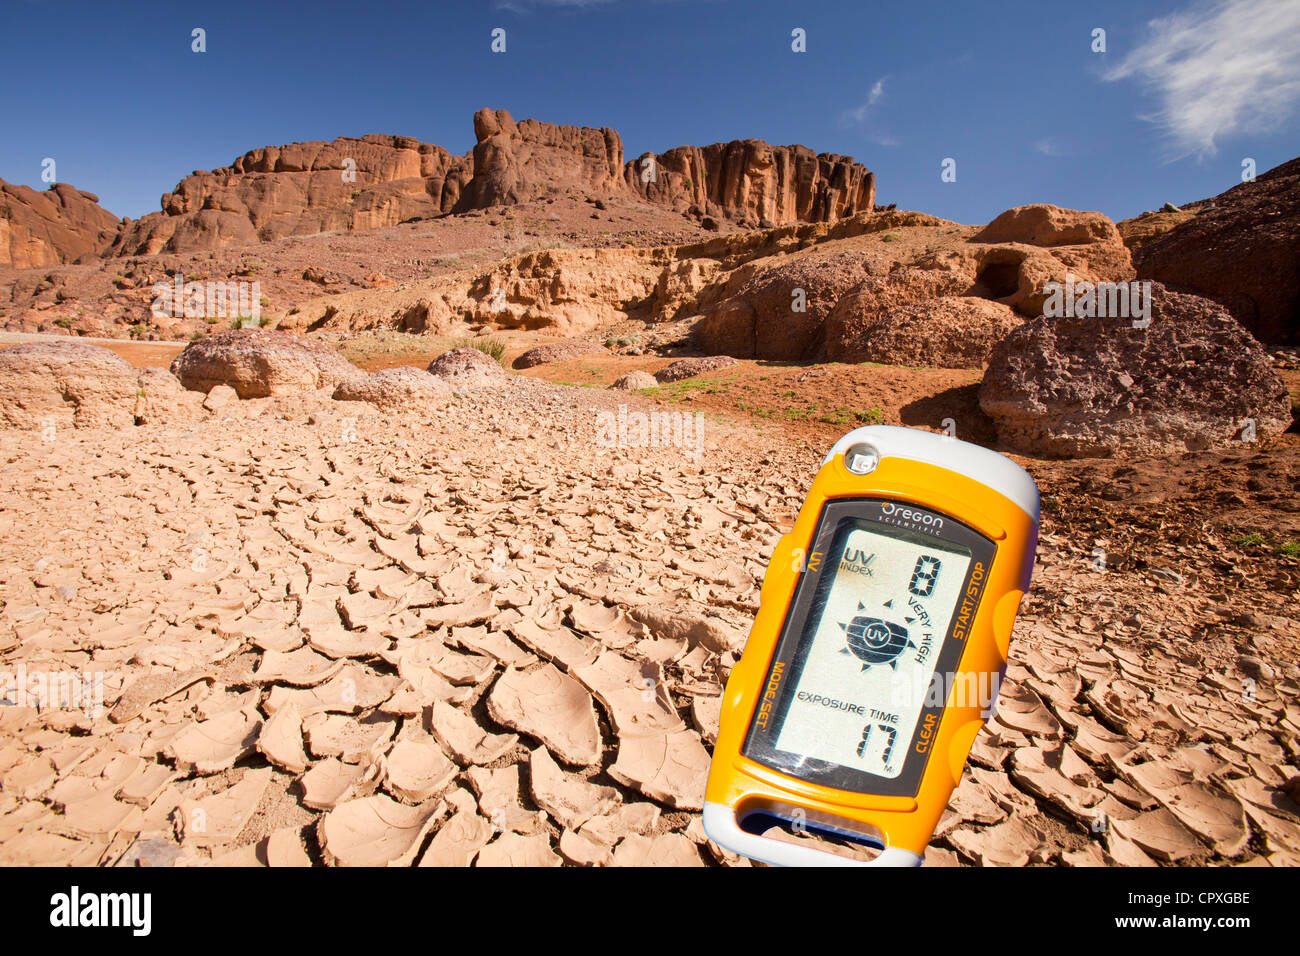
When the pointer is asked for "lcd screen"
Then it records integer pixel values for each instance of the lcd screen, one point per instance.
(869, 648)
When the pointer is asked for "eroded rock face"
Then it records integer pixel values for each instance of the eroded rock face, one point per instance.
(1098, 387)
(948, 332)
(558, 352)
(862, 309)
(754, 183)
(300, 189)
(780, 313)
(60, 224)
(258, 363)
(66, 384)
(1244, 253)
(516, 162)
(393, 388)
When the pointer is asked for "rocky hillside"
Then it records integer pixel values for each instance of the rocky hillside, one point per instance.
(1242, 250)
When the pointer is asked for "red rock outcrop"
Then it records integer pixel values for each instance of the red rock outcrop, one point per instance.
(754, 183)
(518, 162)
(1243, 251)
(60, 224)
(301, 189)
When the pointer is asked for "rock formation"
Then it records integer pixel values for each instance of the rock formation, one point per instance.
(1099, 387)
(66, 384)
(50, 386)
(379, 180)
(1243, 251)
(634, 381)
(818, 302)
(257, 363)
(61, 224)
(754, 183)
(402, 387)
(691, 367)
(466, 366)
(518, 162)
(947, 332)
(300, 189)
(557, 352)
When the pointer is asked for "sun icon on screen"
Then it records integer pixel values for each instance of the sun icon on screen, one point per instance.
(874, 640)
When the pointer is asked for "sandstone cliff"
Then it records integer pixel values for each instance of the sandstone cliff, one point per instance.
(754, 183)
(518, 162)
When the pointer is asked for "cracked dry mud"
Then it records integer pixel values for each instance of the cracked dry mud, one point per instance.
(471, 636)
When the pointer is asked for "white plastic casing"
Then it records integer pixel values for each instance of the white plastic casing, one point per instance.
(987, 467)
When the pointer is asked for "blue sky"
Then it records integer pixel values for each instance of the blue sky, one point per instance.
(1010, 90)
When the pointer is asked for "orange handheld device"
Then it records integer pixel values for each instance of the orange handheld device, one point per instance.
(876, 655)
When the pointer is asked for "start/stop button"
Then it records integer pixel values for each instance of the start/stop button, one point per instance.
(861, 459)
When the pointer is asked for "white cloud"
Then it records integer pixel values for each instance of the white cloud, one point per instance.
(1047, 147)
(857, 115)
(1219, 70)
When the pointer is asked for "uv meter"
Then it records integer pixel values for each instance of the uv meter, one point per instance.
(875, 658)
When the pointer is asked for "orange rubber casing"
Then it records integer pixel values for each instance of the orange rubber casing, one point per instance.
(742, 784)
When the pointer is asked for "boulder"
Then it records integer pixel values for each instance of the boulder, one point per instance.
(1018, 274)
(690, 367)
(634, 381)
(219, 397)
(1243, 251)
(947, 332)
(1024, 248)
(1044, 225)
(402, 387)
(1099, 387)
(258, 363)
(780, 312)
(558, 352)
(467, 366)
(66, 384)
(861, 308)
